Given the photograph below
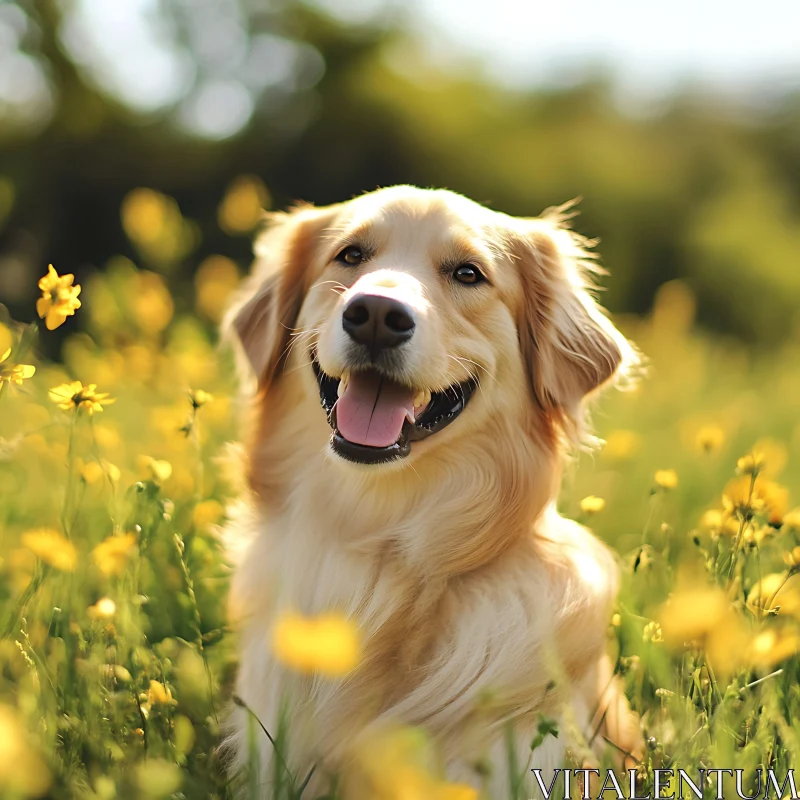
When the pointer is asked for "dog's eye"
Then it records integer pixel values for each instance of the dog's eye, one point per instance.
(468, 273)
(352, 255)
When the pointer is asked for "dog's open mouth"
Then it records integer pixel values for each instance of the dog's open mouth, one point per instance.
(375, 419)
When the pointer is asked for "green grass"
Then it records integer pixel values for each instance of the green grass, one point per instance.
(129, 704)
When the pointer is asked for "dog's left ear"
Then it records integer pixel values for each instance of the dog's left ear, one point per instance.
(569, 346)
(263, 315)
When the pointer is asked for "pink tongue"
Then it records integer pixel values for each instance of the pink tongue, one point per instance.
(372, 410)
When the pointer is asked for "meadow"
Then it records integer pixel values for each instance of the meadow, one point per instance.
(116, 661)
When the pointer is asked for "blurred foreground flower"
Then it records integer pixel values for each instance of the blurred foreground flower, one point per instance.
(666, 478)
(702, 616)
(59, 298)
(592, 504)
(792, 558)
(156, 469)
(652, 633)
(23, 772)
(719, 522)
(111, 555)
(747, 496)
(328, 643)
(772, 646)
(776, 593)
(710, 438)
(767, 458)
(151, 303)
(207, 513)
(154, 223)
(621, 445)
(199, 398)
(76, 395)
(395, 764)
(51, 547)
(791, 521)
(159, 695)
(242, 208)
(94, 471)
(214, 281)
(6, 342)
(104, 608)
(12, 373)
(158, 778)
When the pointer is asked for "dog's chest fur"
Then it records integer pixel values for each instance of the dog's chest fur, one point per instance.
(435, 649)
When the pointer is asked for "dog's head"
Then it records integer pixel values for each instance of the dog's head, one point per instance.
(416, 316)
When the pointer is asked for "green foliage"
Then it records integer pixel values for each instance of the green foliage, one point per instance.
(116, 661)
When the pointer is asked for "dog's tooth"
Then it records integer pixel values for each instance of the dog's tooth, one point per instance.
(410, 416)
(343, 381)
(422, 399)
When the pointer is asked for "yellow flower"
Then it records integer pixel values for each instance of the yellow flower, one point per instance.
(712, 519)
(95, 471)
(717, 522)
(755, 535)
(328, 644)
(621, 445)
(703, 616)
(92, 472)
(791, 521)
(59, 298)
(652, 633)
(11, 373)
(6, 342)
(766, 497)
(792, 558)
(15, 373)
(666, 478)
(214, 281)
(111, 555)
(199, 398)
(51, 547)
(592, 504)
(776, 591)
(23, 772)
(76, 395)
(160, 695)
(710, 438)
(455, 791)
(157, 470)
(242, 208)
(104, 608)
(768, 457)
(395, 765)
(772, 646)
(157, 777)
(207, 513)
(151, 303)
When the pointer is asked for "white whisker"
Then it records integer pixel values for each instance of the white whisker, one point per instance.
(463, 361)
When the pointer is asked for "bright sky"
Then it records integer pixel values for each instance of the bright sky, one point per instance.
(650, 42)
(723, 39)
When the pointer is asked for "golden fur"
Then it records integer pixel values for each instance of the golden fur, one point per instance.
(479, 605)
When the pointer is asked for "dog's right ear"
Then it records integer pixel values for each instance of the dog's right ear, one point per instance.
(264, 313)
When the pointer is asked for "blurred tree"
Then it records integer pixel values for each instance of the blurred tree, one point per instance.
(182, 97)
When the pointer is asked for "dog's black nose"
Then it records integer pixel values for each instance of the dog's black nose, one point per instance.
(378, 322)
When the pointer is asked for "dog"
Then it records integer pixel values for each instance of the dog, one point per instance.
(420, 368)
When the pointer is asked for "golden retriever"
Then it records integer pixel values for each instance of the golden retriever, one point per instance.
(422, 364)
